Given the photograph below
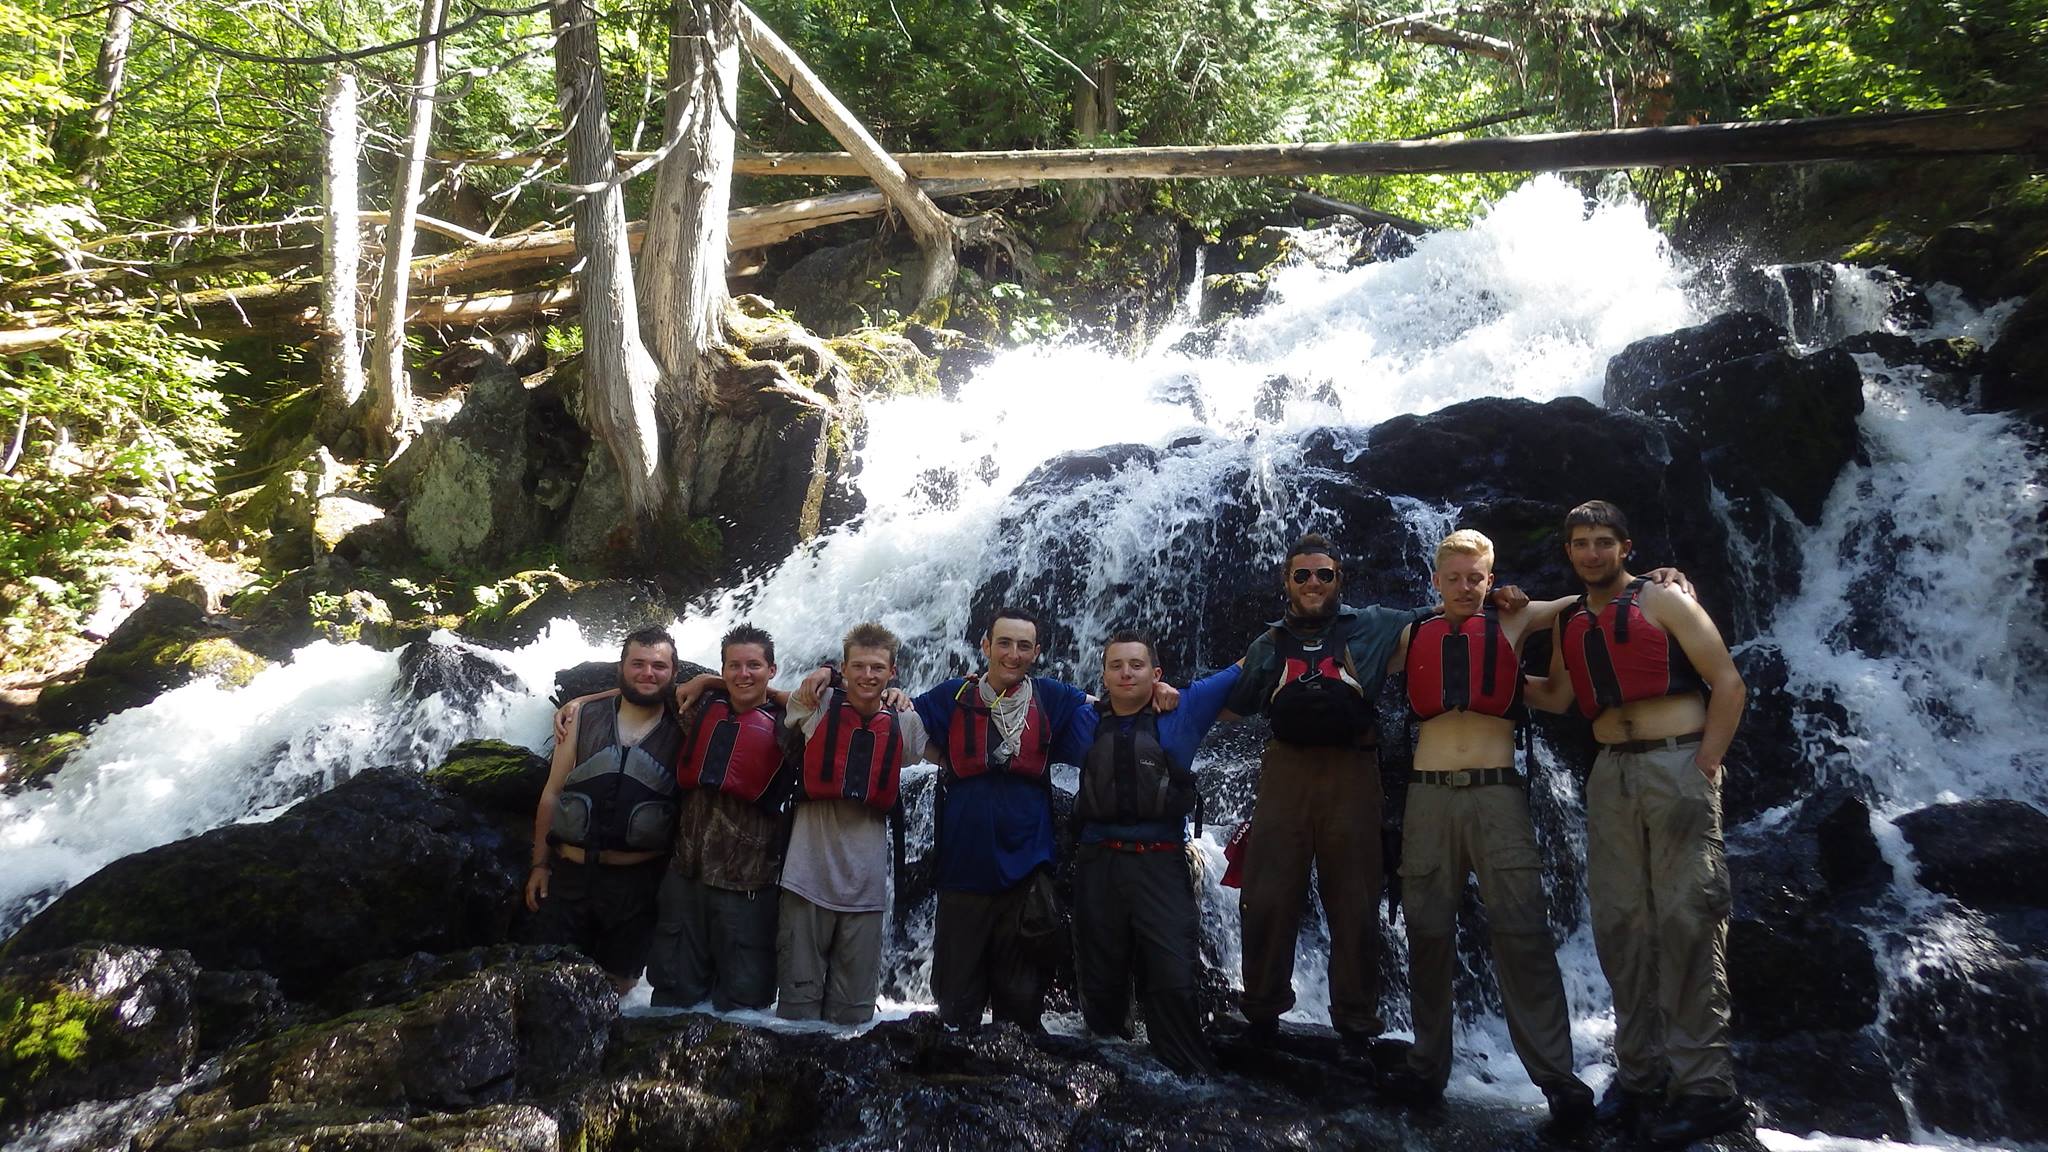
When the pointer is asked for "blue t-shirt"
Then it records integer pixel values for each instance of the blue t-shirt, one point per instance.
(1180, 733)
(995, 828)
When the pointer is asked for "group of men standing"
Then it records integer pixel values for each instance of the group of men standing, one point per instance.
(679, 867)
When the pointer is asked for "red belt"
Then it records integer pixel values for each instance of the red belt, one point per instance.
(1143, 845)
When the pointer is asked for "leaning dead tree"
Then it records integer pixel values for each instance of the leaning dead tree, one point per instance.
(938, 234)
(389, 422)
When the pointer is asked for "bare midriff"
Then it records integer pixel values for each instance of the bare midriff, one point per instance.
(1654, 719)
(1458, 740)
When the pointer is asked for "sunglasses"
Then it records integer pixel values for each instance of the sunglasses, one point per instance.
(1322, 575)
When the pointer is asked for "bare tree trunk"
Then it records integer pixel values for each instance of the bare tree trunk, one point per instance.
(682, 263)
(619, 376)
(113, 68)
(341, 364)
(936, 232)
(389, 423)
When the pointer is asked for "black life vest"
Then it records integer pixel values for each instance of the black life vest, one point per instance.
(971, 734)
(618, 797)
(1128, 777)
(854, 757)
(738, 753)
(1618, 657)
(1318, 702)
(1444, 676)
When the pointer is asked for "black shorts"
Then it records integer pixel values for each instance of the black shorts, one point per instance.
(605, 911)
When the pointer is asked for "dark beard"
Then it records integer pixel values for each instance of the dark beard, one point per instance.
(654, 699)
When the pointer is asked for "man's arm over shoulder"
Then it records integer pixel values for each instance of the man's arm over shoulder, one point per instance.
(1551, 692)
(1201, 705)
(1257, 671)
(1071, 715)
(1532, 618)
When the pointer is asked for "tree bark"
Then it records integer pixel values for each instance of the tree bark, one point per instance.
(619, 376)
(109, 75)
(1417, 30)
(389, 422)
(936, 232)
(682, 262)
(341, 244)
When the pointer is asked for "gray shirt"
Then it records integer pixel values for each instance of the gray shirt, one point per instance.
(839, 849)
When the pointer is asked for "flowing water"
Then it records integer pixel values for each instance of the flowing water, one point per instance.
(1531, 302)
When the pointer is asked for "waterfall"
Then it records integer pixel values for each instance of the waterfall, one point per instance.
(1917, 611)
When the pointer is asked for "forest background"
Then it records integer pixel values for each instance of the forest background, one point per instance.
(149, 150)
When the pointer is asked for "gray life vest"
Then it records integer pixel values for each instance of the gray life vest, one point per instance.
(619, 797)
(1127, 776)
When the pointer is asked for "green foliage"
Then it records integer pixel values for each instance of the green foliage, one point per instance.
(115, 435)
(39, 208)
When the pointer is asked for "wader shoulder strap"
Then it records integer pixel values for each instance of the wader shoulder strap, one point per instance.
(832, 737)
(1623, 603)
(1489, 663)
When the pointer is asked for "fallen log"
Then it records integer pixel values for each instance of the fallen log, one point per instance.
(295, 302)
(2001, 130)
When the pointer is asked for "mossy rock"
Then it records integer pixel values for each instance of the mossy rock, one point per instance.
(165, 644)
(1232, 294)
(39, 759)
(304, 1128)
(514, 611)
(885, 363)
(494, 775)
(92, 1023)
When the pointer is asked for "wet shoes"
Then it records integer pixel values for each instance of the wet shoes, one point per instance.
(1404, 1086)
(1571, 1111)
(1691, 1118)
(1622, 1109)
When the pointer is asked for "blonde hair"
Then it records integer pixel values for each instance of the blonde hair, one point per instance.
(870, 635)
(1466, 542)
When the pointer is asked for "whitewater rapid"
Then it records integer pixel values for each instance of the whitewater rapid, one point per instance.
(1530, 302)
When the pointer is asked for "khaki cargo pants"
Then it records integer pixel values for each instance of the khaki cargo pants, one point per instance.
(1447, 833)
(1659, 887)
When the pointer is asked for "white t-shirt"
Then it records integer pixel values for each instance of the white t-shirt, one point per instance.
(839, 849)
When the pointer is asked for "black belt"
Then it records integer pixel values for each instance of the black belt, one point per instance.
(1629, 746)
(1469, 777)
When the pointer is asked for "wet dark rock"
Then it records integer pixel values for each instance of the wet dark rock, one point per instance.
(1947, 369)
(165, 643)
(1075, 468)
(1138, 295)
(460, 675)
(1972, 256)
(1984, 853)
(1965, 1028)
(1768, 418)
(1232, 294)
(2016, 367)
(1804, 298)
(383, 865)
(1787, 742)
(1798, 960)
(92, 1022)
(1833, 1082)
(515, 1030)
(31, 765)
(315, 1128)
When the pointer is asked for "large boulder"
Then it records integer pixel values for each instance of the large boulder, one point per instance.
(316, 1128)
(1965, 1026)
(485, 487)
(520, 1029)
(514, 611)
(1834, 1082)
(2016, 367)
(383, 865)
(1985, 853)
(1768, 417)
(106, 1021)
(164, 644)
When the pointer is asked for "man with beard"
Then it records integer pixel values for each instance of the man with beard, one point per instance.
(607, 815)
(1314, 673)
(1648, 667)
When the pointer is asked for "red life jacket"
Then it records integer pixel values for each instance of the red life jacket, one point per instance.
(851, 757)
(738, 753)
(972, 731)
(1444, 677)
(1318, 702)
(1618, 657)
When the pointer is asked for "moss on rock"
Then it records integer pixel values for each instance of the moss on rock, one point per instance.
(493, 774)
(44, 1031)
(36, 761)
(167, 643)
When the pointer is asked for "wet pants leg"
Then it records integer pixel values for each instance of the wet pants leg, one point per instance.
(981, 959)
